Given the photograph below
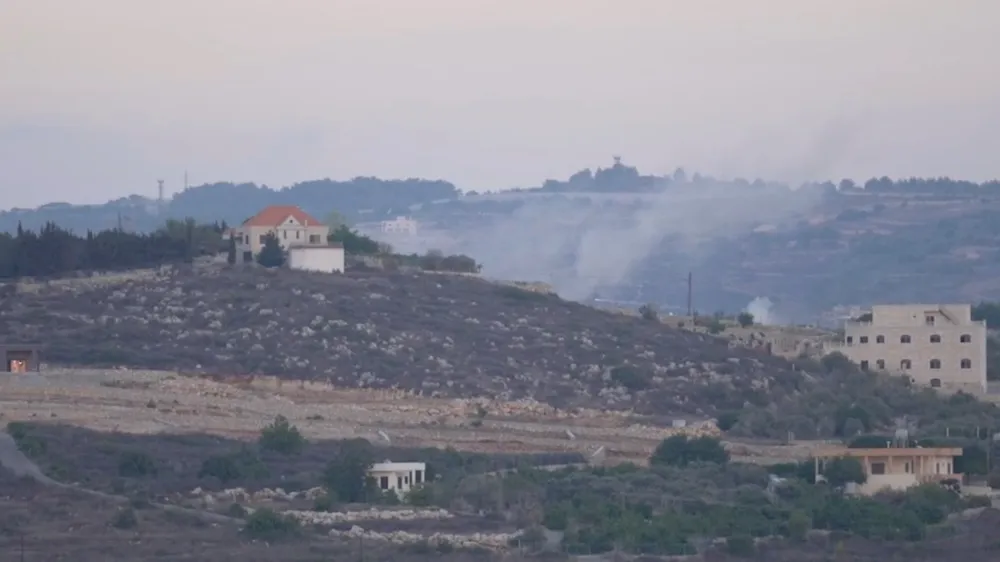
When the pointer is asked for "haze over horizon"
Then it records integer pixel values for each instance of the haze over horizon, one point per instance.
(102, 98)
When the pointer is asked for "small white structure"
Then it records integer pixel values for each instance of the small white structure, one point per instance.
(398, 476)
(401, 225)
(325, 259)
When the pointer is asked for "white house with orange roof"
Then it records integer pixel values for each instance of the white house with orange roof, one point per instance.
(294, 228)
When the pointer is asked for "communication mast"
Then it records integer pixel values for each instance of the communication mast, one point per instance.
(159, 197)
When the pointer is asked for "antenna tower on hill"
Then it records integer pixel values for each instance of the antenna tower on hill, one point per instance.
(159, 197)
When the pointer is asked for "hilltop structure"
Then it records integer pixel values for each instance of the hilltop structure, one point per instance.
(292, 226)
(938, 345)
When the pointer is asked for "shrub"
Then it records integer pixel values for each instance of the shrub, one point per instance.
(870, 442)
(648, 312)
(282, 437)
(267, 524)
(29, 444)
(135, 464)
(532, 538)
(680, 450)
(798, 525)
(745, 319)
(323, 503)
(420, 496)
(353, 242)
(271, 254)
(346, 476)
(232, 467)
(841, 471)
(836, 362)
(125, 518)
(629, 377)
(727, 420)
(741, 546)
(557, 516)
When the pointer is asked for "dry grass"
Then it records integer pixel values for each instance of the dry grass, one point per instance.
(435, 335)
(39, 523)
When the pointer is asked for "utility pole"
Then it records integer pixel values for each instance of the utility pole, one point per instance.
(690, 300)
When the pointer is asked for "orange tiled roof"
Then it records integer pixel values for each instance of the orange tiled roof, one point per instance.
(275, 215)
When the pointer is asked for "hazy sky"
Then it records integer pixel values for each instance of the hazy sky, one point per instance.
(99, 98)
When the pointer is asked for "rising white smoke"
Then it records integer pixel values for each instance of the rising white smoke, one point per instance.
(763, 311)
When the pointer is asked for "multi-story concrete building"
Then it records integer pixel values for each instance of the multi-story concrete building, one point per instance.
(292, 226)
(937, 345)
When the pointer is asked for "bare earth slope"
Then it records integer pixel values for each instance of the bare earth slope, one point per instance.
(437, 335)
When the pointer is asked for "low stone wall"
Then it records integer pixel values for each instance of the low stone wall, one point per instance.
(492, 541)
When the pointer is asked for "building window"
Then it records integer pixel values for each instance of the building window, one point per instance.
(966, 338)
(935, 338)
(418, 476)
(966, 363)
(904, 339)
(905, 364)
(949, 467)
(879, 339)
(864, 365)
(298, 234)
(880, 364)
(399, 482)
(935, 363)
(284, 234)
(935, 383)
(929, 320)
(383, 482)
(314, 238)
(262, 238)
(907, 468)
(878, 468)
(863, 339)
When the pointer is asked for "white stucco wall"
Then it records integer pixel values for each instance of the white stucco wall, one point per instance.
(881, 482)
(326, 259)
(398, 476)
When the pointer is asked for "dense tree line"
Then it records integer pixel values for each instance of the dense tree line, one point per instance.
(53, 251)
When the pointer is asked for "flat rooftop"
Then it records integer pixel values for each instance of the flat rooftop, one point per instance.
(835, 452)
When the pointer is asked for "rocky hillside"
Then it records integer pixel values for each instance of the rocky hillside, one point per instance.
(434, 334)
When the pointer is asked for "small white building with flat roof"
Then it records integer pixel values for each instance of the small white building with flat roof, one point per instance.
(398, 476)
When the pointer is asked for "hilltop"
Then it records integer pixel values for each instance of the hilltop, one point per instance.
(436, 335)
(451, 336)
(808, 248)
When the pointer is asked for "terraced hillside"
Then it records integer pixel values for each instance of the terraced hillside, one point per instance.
(436, 335)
